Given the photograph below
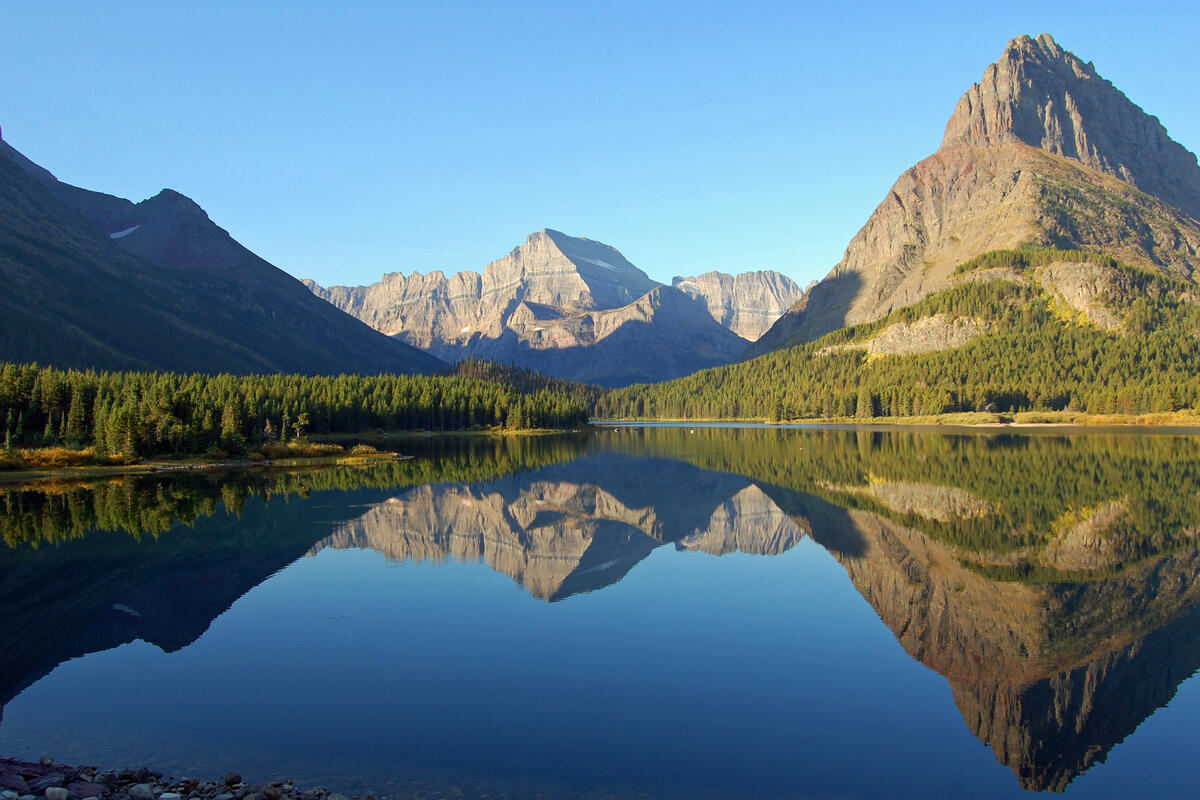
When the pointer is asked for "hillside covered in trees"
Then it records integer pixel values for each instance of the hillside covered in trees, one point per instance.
(1018, 330)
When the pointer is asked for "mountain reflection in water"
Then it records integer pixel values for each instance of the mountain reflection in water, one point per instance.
(1052, 580)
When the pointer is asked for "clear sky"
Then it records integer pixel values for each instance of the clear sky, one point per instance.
(344, 140)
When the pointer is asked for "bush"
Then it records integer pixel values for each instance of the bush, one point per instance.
(301, 449)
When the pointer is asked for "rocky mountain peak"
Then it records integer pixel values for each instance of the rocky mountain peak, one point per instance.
(1042, 95)
(169, 200)
(552, 268)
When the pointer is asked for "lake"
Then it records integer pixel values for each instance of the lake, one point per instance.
(637, 611)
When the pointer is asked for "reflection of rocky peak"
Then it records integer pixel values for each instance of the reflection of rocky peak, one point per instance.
(554, 539)
(748, 522)
(574, 527)
(1051, 676)
(926, 500)
(1050, 731)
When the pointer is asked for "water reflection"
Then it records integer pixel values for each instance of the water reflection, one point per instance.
(574, 527)
(1051, 580)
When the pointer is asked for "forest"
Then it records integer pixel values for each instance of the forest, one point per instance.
(140, 414)
(1037, 355)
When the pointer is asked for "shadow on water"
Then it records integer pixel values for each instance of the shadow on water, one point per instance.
(1054, 581)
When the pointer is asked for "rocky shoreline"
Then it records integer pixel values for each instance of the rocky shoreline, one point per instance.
(47, 780)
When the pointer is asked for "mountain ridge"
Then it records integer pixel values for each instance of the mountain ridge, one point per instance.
(569, 307)
(988, 187)
(107, 283)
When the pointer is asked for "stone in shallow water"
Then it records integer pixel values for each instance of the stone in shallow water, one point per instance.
(40, 785)
(12, 782)
(57, 793)
(232, 779)
(141, 791)
(170, 796)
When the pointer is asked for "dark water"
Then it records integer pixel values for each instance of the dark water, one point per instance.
(660, 612)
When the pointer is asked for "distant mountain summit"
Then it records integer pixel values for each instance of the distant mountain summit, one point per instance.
(572, 308)
(1042, 151)
(93, 280)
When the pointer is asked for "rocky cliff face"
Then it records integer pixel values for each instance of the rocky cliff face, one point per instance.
(572, 308)
(1041, 151)
(747, 303)
(550, 269)
(1041, 95)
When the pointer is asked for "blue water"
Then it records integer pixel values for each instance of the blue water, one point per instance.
(693, 675)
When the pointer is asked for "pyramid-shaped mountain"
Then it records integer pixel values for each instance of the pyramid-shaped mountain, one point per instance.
(568, 307)
(1042, 151)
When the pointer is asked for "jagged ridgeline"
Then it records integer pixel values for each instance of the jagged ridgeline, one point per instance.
(136, 414)
(1043, 258)
(575, 309)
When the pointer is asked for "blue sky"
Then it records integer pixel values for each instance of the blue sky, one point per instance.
(341, 141)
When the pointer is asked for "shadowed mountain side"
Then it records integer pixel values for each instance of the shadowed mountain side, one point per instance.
(111, 284)
(825, 307)
(65, 599)
(575, 527)
(639, 349)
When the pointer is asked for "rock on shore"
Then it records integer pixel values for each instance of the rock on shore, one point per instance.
(47, 780)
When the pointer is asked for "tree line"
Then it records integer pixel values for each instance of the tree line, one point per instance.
(139, 414)
(1034, 357)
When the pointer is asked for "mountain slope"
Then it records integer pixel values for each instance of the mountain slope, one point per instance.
(565, 306)
(747, 303)
(97, 281)
(1042, 151)
(1015, 330)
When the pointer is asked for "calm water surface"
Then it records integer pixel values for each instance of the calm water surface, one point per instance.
(661, 612)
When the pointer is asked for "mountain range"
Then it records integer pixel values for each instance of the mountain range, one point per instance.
(573, 308)
(93, 280)
(1043, 257)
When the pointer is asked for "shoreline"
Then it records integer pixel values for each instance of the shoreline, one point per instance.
(49, 780)
(162, 467)
(1182, 422)
(197, 464)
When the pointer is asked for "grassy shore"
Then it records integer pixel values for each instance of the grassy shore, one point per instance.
(59, 462)
(982, 419)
